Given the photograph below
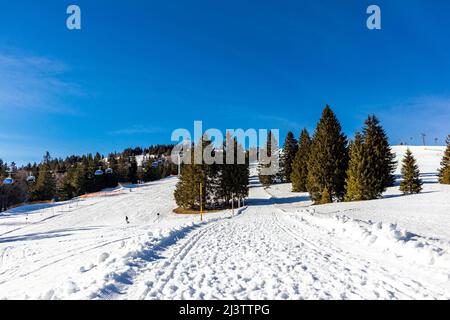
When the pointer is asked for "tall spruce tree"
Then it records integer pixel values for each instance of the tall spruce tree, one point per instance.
(328, 159)
(411, 182)
(381, 160)
(233, 176)
(196, 186)
(99, 180)
(112, 178)
(132, 172)
(357, 173)
(268, 165)
(300, 165)
(444, 171)
(45, 187)
(289, 151)
(66, 190)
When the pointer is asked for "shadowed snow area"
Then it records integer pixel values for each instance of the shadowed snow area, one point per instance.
(278, 247)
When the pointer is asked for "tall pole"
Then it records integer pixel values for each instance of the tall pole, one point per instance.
(201, 202)
(232, 205)
(179, 165)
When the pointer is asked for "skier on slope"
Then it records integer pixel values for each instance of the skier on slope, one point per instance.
(126, 219)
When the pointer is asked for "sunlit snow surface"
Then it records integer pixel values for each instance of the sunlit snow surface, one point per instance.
(278, 247)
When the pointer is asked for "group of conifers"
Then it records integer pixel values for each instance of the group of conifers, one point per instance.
(330, 168)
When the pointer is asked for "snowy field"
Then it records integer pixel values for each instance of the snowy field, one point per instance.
(279, 247)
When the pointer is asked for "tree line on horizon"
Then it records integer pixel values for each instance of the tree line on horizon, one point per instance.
(57, 179)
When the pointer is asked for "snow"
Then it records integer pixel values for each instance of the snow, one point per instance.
(279, 247)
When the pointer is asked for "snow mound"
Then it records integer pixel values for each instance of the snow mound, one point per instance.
(386, 237)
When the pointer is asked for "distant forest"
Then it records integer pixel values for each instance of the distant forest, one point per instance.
(57, 179)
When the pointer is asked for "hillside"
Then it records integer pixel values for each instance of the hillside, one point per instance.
(279, 247)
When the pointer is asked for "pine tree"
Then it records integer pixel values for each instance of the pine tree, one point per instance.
(197, 184)
(411, 182)
(80, 177)
(45, 187)
(132, 173)
(269, 161)
(381, 161)
(122, 168)
(151, 173)
(300, 165)
(444, 171)
(328, 159)
(289, 151)
(112, 179)
(66, 190)
(99, 180)
(233, 177)
(357, 180)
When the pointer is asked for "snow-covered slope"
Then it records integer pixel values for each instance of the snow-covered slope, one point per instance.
(73, 249)
(278, 247)
(427, 214)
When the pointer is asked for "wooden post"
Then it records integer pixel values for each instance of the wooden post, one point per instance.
(232, 205)
(201, 202)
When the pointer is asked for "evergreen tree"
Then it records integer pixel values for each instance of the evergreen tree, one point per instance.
(289, 151)
(99, 180)
(132, 172)
(328, 159)
(151, 172)
(300, 165)
(233, 177)
(187, 192)
(66, 190)
(112, 179)
(196, 186)
(45, 186)
(381, 161)
(269, 161)
(444, 171)
(357, 173)
(411, 182)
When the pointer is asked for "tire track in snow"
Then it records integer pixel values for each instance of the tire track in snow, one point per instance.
(394, 283)
(175, 260)
(176, 246)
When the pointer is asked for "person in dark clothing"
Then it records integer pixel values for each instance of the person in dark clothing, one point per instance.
(126, 219)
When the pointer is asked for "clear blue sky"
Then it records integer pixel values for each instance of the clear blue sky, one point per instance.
(139, 69)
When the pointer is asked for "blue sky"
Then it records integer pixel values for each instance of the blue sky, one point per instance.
(139, 69)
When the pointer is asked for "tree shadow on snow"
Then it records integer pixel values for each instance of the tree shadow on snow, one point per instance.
(389, 196)
(44, 235)
(272, 201)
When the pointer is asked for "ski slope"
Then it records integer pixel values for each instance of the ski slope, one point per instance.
(278, 247)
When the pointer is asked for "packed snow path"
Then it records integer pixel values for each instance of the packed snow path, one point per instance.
(263, 254)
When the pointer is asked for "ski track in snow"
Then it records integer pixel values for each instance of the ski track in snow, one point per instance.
(276, 248)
